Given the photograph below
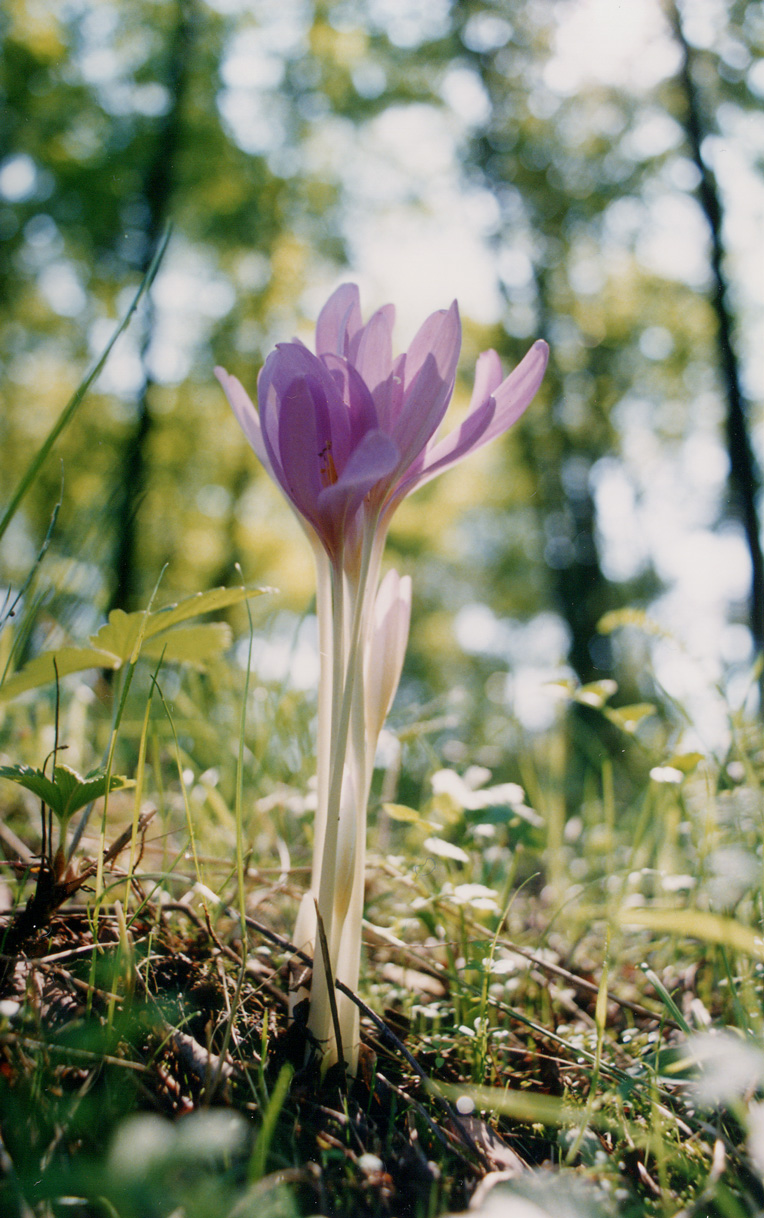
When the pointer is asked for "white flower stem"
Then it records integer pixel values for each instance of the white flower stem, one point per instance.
(325, 686)
(347, 698)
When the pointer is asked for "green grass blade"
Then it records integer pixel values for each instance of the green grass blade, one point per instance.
(257, 1163)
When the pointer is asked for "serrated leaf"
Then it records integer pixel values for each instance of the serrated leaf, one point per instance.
(42, 670)
(628, 718)
(120, 634)
(190, 644)
(200, 602)
(122, 631)
(113, 645)
(67, 791)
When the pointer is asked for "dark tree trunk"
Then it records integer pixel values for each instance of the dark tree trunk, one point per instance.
(744, 476)
(156, 194)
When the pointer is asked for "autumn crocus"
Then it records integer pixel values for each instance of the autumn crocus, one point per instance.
(347, 433)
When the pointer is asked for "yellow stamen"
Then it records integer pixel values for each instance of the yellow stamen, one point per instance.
(328, 470)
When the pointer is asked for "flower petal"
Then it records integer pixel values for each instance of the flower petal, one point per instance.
(518, 390)
(490, 418)
(372, 460)
(488, 377)
(359, 404)
(371, 351)
(469, 436)
(244, 409)
(339, 321)
(439, 336)
(291, 362)
(302, 437)
(428, 374)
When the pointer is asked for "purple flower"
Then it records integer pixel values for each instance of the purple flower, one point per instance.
(349, 431)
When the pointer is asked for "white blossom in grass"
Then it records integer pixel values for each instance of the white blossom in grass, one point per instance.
(445, 850)
(666, 774)
(477, 896)
(466, 793)
(730, 1067)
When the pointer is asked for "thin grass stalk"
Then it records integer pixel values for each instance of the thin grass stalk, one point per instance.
(140, 775)
(99, 890)
(238, 800)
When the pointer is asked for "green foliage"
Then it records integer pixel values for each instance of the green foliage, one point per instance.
(66, 791)
(158, 635)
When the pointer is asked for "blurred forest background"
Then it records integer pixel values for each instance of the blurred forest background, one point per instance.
(580, 170)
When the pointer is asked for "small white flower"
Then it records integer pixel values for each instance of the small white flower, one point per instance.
(666, 774)
(446, 850)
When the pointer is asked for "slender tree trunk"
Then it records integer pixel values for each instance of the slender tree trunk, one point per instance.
(744, 477)
(157, 192)
(581, 592)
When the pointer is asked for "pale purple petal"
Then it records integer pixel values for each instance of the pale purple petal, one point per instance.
(450, 450)
(339, 321)
(244, 409)
(440, 336)
(428, 383)
(518, 390)
(291, 362)
(491, 418)
(374, 459)
(395, 401)
(303, 435)
(488, 377)
(269, 403)
(371, 351)
(359, 407)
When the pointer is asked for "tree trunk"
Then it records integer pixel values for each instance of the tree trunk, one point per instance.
(156, 193)
(744, 476)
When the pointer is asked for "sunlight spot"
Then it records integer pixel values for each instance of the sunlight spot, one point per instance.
(18, 178)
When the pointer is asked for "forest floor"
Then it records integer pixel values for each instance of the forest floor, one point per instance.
(148, 1067)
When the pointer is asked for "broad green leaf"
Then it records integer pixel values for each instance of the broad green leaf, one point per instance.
(628, 718)
(190, 644)
(67, 791)
(201, 602)
(113, 645)
(698, 924)
(119, 635)
(42, 670)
